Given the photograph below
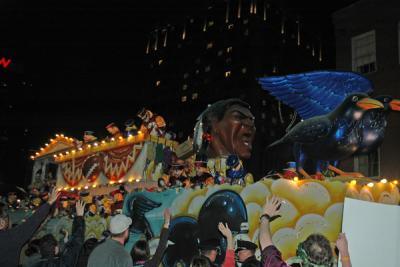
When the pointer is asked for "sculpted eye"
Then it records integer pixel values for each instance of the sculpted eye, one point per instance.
(355, 98)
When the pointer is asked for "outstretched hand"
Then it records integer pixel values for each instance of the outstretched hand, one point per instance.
(224, 229)
(272, 206)
(80, 208)
(341, 243)
(54, 194)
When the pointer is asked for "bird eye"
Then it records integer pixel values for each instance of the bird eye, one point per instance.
(355, 99)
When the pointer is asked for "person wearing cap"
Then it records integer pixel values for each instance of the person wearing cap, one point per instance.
(246, 253)
(112, 252)
(209, 248)
(203, 177)
(113, 129)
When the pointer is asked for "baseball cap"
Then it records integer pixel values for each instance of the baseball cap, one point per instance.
(119, 223)
(243, 244)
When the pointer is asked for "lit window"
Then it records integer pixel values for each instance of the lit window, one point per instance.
(197, 71)
(264, 102)
(158, 83)
(230, 26)
(207, 69)
(363, 49)
(246, 32)
(263, 116)
(244, 70)
(209, 45)
(220, 52)
(229, 49)
(184, 87)
(210, 23)
(194, 96)
(186, 75)
(191, 20)
(160, 62)
(227, 74)
(245, 21)
(184, 98)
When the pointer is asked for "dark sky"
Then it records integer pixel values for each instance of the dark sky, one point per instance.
(78, 65)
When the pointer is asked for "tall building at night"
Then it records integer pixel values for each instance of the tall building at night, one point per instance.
(219, 53)
(368, 42)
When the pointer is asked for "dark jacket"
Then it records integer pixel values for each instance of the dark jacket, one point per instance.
(251, 262)
(157, 257)
(12, 240)
(68, 257)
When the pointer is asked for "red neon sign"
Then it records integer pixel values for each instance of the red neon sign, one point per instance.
(4, 62)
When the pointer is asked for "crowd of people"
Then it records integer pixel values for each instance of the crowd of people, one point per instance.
(110, 251)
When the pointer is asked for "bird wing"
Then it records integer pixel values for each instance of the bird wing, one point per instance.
(315, 93)
(307, 132)
(140, 204)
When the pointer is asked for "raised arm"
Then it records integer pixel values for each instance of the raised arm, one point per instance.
(26, 230)
(73, 246)
(342, 245)
(270, 209)
(162, 244)
(230, 254)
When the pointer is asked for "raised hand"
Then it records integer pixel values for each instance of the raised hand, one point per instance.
(272, 206)
(341, 244)
(167, 217)
(80, 208)
(54, 194)
(224, 229)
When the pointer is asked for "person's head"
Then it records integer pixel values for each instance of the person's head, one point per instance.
(140, 251)
(245, 249)
(231, 126)
(200, 261)
(315, 250)
(210, 249)
(33, 247)
(177, 168)
(119, 227)
(48, 246)
(112, 128)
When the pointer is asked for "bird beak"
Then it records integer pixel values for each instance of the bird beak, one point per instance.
(369, 103)
(395, 104)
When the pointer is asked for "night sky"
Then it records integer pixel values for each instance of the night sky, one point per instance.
(78, 65)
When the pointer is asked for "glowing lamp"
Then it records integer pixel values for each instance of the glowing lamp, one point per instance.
(384, 181)
(46, 144)
(353, 182)
(65, 188)
(86, 187)
(139, 132)
(32, 157)
(37, 153)
(95, 144)
(395, 182)
(94, 186)
(72, 189)
(137, 180)
(120, 181)
(80, 149)
(296, 179)
(370, 184)
(130, 179)
(112, 139)
(79, 188)
(120, 138)
(103, 142)
(57, 135)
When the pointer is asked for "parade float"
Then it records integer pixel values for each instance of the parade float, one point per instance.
(203, 181)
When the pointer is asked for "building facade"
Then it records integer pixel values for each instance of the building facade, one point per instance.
(368, 42)
(219, 53)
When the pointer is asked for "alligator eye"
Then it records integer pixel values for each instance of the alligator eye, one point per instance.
(355, 98)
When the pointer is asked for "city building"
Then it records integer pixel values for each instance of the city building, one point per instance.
(368, 42)
(219, 53)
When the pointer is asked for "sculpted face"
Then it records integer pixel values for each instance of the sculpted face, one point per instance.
(233, 134)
